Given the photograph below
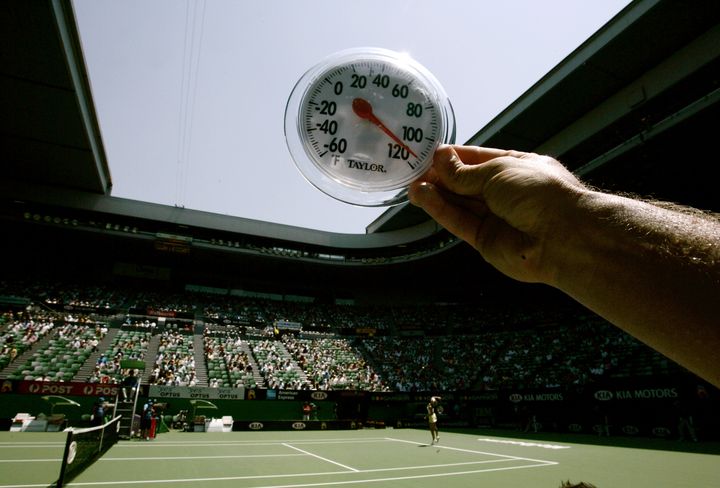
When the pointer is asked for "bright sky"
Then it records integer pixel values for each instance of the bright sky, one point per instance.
(191, 94)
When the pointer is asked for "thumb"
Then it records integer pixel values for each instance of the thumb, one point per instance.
(423, 194)
(461, 216)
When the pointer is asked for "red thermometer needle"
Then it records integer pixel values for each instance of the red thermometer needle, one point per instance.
(363, 109)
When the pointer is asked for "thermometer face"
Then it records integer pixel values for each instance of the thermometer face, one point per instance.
(365, 123)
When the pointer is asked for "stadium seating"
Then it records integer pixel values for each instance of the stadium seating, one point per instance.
(129, 343)
(337, 347)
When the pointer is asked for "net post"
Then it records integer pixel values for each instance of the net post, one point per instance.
(77, 456)
(66, 452)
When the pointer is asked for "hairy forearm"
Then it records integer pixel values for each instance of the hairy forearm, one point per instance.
(652, 271)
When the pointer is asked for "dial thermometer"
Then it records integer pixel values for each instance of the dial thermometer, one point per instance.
(364, 123)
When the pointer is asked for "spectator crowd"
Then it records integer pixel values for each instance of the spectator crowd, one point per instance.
(422, 348)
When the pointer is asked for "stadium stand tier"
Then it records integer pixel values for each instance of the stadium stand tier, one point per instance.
(216, 309)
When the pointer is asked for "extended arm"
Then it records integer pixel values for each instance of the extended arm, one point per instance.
(652, 270)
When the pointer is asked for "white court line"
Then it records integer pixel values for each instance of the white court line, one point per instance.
(524, 443)
(329, 473)
(164, 445)
(25, 446)
(475, 452)
(183, 480)
(336, 441)
(320, 457)
(24, 443)
(160, 443)
(184, 458)
(140, 445)
(56, 460)
(303, 485)
(432, 466)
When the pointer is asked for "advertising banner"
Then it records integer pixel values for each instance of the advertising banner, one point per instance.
(58, 388)
(196, 392)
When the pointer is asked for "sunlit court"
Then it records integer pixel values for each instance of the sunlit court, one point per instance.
(319, 243)
(374, 457)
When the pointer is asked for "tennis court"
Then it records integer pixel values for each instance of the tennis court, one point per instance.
(389, 457)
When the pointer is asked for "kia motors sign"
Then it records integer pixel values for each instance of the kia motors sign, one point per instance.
(603, 395)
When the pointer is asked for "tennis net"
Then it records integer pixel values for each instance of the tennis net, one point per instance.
(84, 446)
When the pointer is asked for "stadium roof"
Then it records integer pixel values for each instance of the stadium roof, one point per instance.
(615, 111)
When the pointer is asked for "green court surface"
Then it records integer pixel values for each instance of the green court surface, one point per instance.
(388, 457)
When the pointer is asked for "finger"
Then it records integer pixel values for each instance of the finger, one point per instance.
(468, 155)
(472, 155)
(451, 172)
(473, 204)
(463, 221)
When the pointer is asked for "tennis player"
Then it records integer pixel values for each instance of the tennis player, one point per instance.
(433, 409)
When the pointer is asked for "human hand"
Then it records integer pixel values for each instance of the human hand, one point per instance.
(513, 207)
(649, 268)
